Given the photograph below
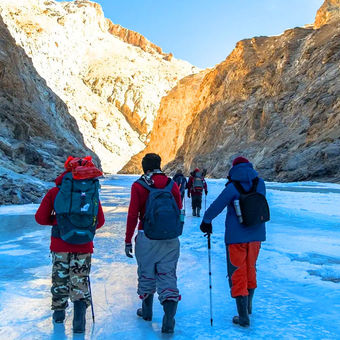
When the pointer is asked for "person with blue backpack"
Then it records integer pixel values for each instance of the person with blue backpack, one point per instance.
(156, 203)
(74, 211)
(181, 181)
(247, 212)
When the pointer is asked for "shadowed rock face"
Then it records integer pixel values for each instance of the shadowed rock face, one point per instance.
(274, 100)
(37, 132)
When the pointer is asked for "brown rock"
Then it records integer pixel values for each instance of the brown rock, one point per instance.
(328, 12)
(274, 100)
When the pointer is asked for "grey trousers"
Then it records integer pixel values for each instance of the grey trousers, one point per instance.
(157, 263)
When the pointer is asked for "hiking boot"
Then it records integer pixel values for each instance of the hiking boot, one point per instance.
(79, 314)
(146, 311)
(242, 307)
(198, 212)
(58, 316)
(193, 212)
(250, 300)
(169, 308)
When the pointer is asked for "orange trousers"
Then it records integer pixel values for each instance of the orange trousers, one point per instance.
(241, 262)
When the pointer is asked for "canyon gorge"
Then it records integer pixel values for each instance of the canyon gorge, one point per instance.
(73, 82)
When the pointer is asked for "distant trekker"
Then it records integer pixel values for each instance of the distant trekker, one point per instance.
(74, 211)
(181, 181)
(156, 201)
(244, 195)
(195, 186)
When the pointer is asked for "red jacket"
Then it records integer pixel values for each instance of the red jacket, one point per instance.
(45, 216)
(191, 190)
(139, 196)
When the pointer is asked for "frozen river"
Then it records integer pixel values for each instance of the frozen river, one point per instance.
(298, 273)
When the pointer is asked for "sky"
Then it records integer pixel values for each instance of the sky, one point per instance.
(205, 32)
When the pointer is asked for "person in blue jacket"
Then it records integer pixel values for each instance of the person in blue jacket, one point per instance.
(242, 243)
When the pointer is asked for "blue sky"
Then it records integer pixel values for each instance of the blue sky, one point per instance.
(204, 32)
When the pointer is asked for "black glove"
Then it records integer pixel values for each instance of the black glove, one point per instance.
(128, 250)
(206, 228)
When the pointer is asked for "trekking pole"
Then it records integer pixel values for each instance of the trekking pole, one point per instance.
(90, 291)
(210, 285)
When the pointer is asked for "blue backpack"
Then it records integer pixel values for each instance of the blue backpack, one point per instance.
(162, 215)
(76, 206)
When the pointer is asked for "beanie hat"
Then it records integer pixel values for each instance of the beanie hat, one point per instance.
(73, 162)
(151, 161)
(239, 160)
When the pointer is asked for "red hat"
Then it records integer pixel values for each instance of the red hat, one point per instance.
(239, 160)
(73, 162)
(197, 170)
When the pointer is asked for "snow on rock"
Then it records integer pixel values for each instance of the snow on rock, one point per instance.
(111, 80)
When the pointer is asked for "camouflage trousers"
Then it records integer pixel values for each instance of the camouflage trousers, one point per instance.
(70, 273)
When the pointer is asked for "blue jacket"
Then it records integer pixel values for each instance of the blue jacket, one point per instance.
(234, 231)
(181, 182)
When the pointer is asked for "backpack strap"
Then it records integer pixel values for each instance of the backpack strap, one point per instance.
(168, 186)
(144, 184)
(239, 187)
(255, 183)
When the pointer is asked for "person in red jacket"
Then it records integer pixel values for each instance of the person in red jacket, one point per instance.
(71, 262)
(157, 258)
(196, 185)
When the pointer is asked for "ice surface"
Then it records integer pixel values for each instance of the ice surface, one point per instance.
(298, 273)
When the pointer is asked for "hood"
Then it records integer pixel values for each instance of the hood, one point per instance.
(243, 172)
(59, 179)
(178, 175)
(160, 180)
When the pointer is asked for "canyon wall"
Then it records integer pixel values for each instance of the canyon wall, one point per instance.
(73, 83)
(36, 129)
(110, 78)
(275, 100)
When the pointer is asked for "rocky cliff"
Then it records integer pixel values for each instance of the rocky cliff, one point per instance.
(71, 82)
(274, 100)
(36, 131)
(110, 78)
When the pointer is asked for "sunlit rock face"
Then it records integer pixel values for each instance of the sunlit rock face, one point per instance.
(175, 114)
(328, 12)
(111, 79)
(274, 100)
(37, 132)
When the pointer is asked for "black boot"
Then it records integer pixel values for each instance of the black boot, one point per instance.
(169, 308)
(198, 212)
(79, 314)
(58, 316)
(194, 212)
(242, 307)
(250, 300)
(146, 311)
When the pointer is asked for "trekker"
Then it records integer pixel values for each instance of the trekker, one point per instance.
(195, 186)
(156, 201)
(181, 181)
(244, 231)
(74, 211)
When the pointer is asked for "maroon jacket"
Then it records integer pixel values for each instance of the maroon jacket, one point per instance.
(139, 196)
(45, 216)
(191, 191)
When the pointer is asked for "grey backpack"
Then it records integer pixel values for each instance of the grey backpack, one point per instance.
(76, 206)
